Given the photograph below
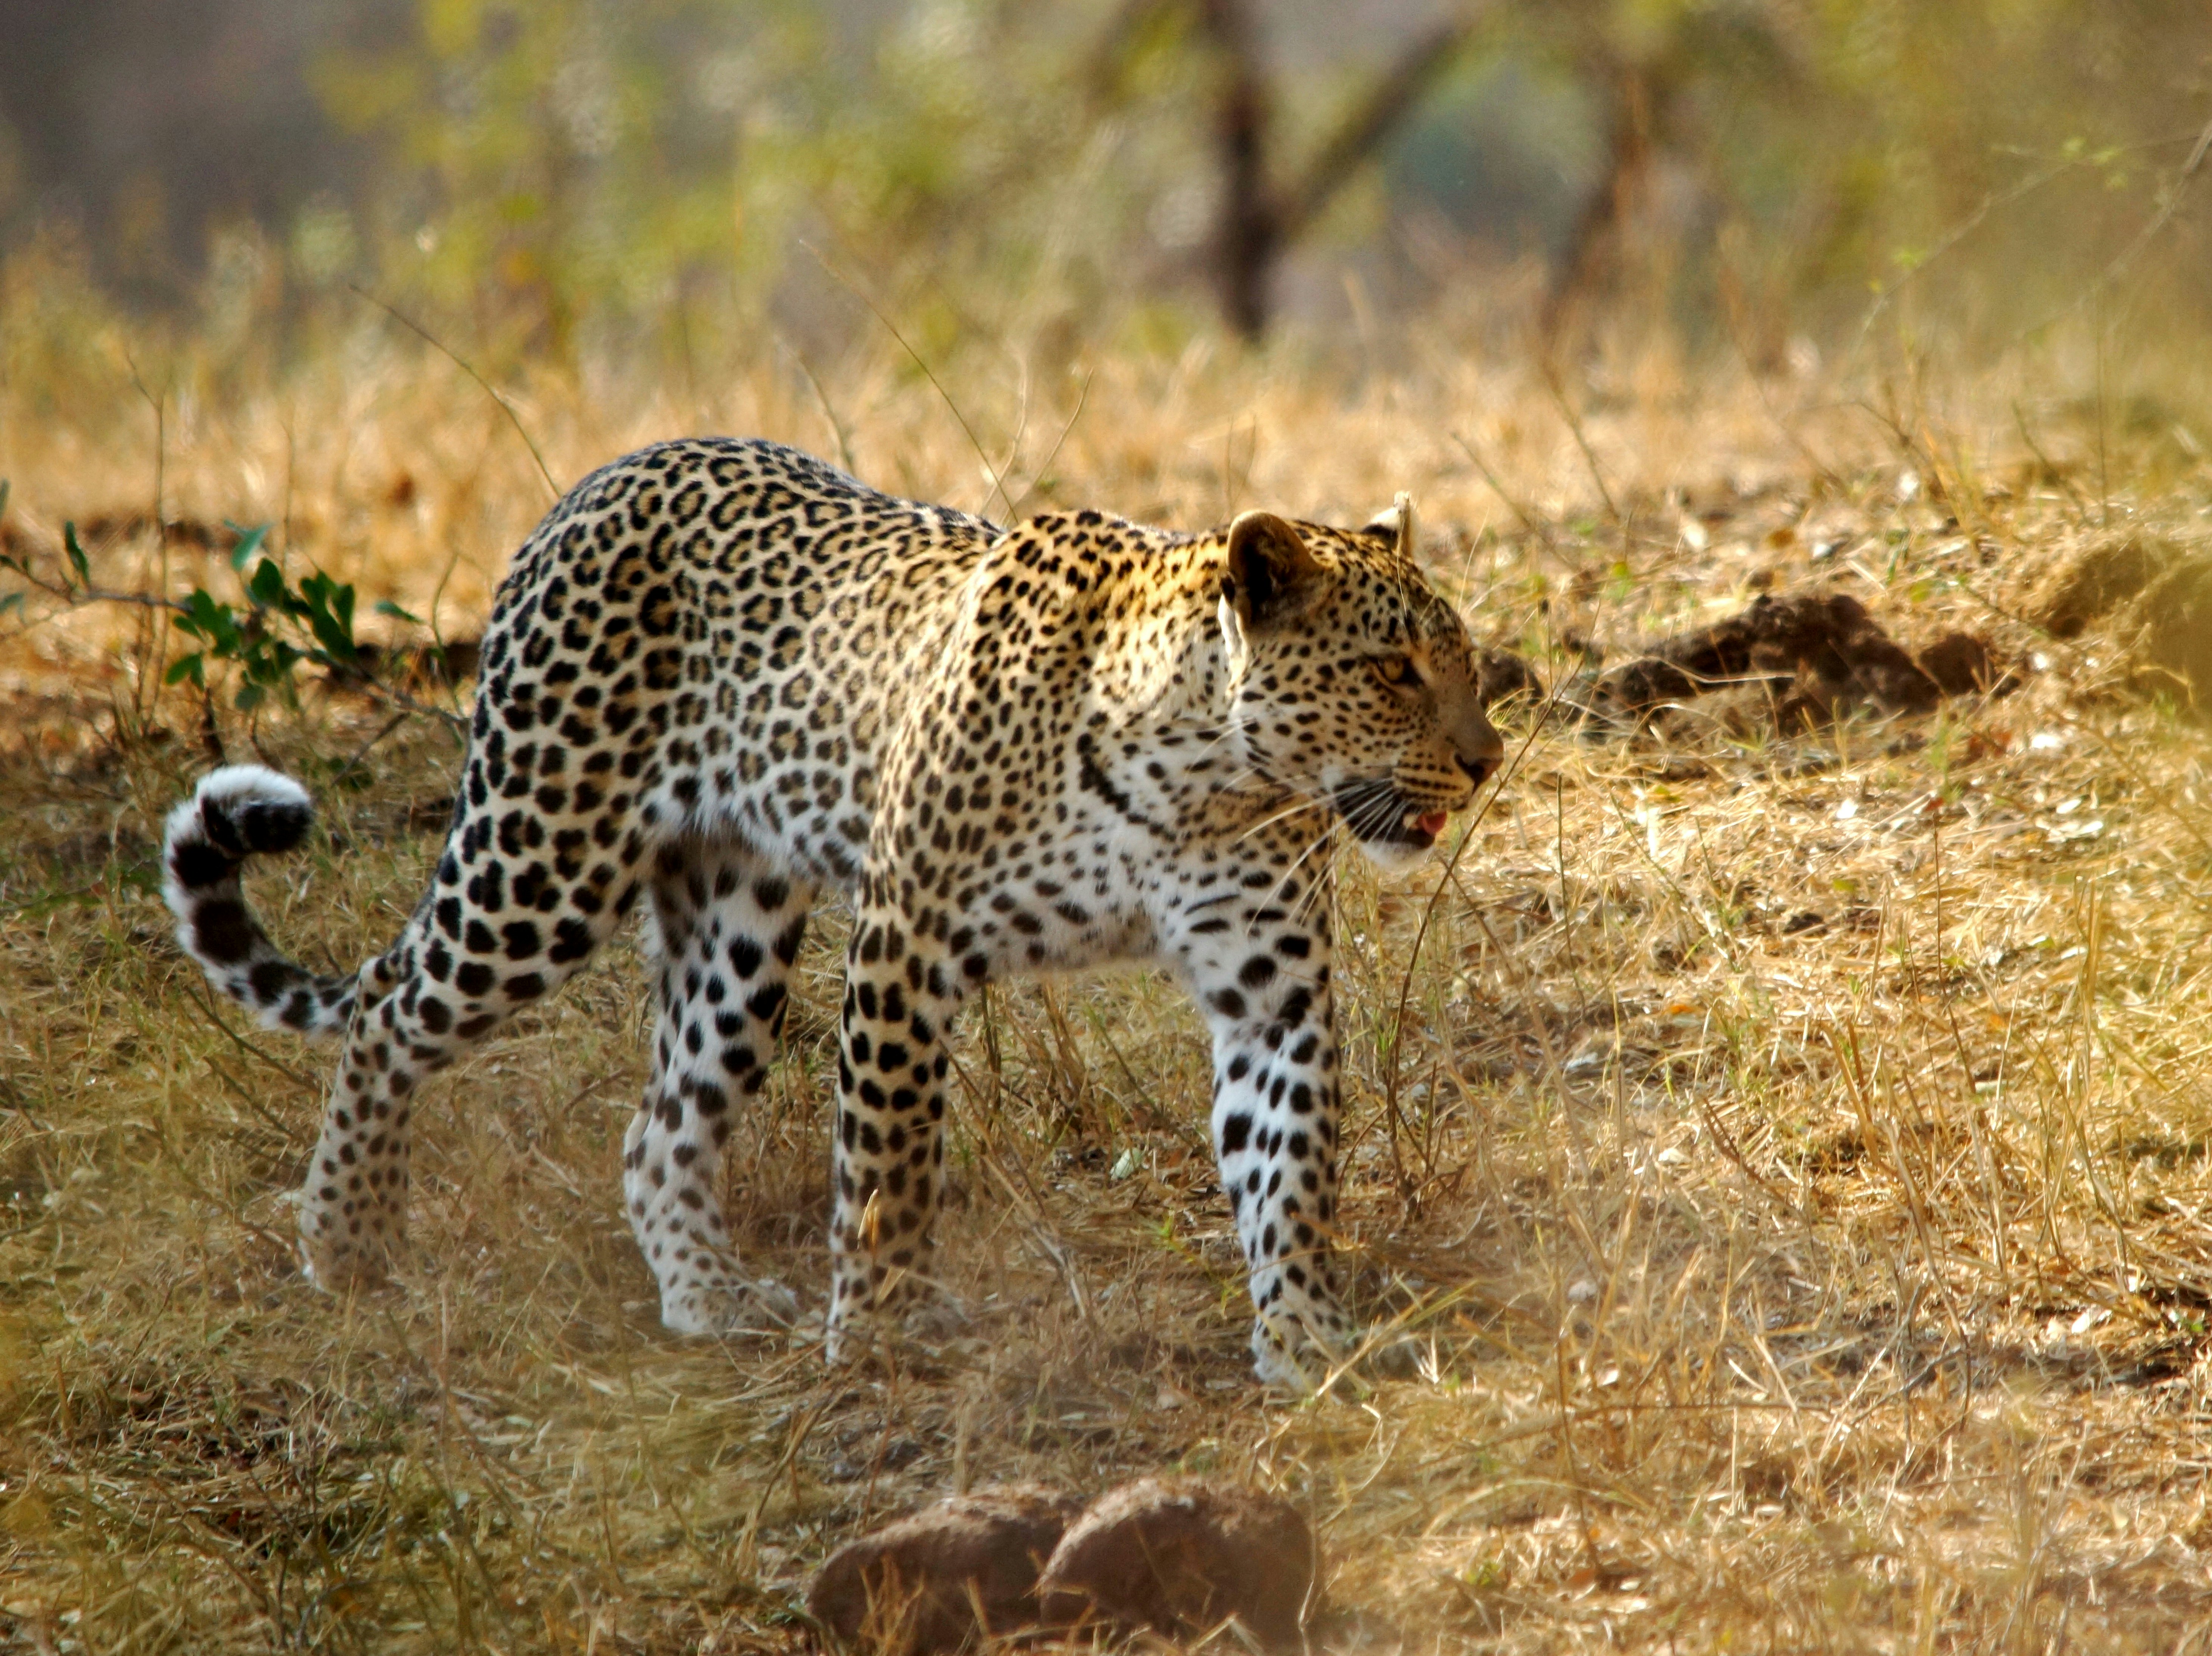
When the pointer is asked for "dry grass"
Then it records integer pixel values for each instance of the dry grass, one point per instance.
(1789, 1149)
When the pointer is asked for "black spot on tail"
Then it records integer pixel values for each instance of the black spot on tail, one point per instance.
(223, 932)
(255, 825)
(197, 864)
(272, 980)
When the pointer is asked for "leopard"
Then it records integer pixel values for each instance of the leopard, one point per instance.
(723, 679)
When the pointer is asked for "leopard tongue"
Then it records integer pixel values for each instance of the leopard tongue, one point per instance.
(1432, 824)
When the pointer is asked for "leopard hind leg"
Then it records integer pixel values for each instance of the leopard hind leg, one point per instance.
(725, 924)
(509, 918)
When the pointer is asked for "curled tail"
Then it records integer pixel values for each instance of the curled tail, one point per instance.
(234, 813)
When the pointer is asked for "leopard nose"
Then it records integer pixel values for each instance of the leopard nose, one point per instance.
(1477, 746)
(1482, 756)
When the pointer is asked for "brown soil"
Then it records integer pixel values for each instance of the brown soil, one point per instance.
(2149, 598)
(1499, 674)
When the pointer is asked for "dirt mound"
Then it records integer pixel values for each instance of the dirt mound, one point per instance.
(1500, 673)
(2170, 626)
(418, 665)
(1181, 1556)
(951, 1574)
(1964, 664)
(2095, 581)
(2152, 598)
(1803, 659)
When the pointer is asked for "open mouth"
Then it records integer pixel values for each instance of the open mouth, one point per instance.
(1378, 813)
(1418, 829)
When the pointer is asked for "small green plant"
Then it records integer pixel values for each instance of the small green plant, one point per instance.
(278, 625)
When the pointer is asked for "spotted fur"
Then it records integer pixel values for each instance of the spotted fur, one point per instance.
(723, 677)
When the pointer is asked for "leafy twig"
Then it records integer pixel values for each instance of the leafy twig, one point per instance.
(319, 612)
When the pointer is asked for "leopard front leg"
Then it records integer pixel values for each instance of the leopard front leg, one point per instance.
(889, 1161)
(1258, 963)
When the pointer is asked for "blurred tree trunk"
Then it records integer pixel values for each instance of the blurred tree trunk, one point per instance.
(1248, 230)
(1262, 214)
(1590, 262)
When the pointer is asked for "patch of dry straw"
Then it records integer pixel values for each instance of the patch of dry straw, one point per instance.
(1789, 1149)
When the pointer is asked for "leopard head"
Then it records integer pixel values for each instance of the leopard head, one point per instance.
(1353, 683)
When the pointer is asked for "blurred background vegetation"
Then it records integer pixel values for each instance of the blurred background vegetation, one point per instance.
(659, 183)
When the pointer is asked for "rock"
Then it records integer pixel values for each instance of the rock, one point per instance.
(946, 1576)
(1181, 1556)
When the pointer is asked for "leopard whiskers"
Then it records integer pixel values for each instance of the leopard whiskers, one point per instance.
(1319, 883)
(1298, 808)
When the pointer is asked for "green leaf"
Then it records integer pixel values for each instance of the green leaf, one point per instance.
(76, 558)
(249, 542)
(330, 617)
(192, 667)
(3, 497)
(249, 697)
(211, 621)
(266, 588)
(385, 607)
(268, 660)
(11, 601)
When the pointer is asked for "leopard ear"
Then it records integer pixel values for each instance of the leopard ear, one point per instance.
(1396, 520)
(1271, 571)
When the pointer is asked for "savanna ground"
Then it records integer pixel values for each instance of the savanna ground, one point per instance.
(1787, 1147)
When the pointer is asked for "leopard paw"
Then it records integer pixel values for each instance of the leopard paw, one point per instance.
(337, 1271)
(728, 1306)
(933, 1316)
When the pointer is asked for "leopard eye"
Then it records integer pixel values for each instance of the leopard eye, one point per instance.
(1398, 672)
